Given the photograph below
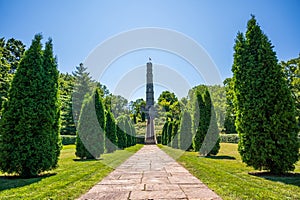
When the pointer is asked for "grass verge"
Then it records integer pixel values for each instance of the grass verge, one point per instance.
(70, 180)
(229, 178)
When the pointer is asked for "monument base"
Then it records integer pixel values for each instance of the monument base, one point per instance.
(150, 137)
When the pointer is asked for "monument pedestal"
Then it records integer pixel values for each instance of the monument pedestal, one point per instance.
(150, 135)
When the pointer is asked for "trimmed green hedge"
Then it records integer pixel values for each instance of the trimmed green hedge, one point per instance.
(229, 138)
(225, 138)
(71, 139)
(68, 139)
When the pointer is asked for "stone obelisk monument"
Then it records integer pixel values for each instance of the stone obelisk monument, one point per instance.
(150, 137)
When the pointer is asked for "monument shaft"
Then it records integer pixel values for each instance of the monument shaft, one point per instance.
(150, 137)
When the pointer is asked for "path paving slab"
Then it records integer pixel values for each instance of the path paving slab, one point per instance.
(150, 174)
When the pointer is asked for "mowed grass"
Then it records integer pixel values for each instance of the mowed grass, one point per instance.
(71, 179)
(229, 178)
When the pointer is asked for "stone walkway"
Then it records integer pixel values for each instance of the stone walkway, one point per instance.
(150, 174)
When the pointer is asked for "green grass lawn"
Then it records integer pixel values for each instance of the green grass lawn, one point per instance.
(68, 181)
(229, 178)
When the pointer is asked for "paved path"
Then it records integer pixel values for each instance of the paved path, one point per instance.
(150, 174)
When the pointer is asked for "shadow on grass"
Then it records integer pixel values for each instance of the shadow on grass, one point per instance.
(14, 181)
(221, 157)
(86, 160)
(288, 178)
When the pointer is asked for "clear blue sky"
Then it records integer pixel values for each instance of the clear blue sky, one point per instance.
(78, 26)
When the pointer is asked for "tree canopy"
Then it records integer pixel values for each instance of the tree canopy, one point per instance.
(265, 110)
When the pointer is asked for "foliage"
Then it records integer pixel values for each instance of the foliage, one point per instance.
(229, 123)
(68, 139)
(168, 103)
(211, 142)
(229, 138)
(11, 52)
(121, 135)
(51, 102)
(185, 131)
(169, 133)
(66, 85)
(116, 104)
(265, 111)
(164, 134)
(104, 91)
(90, 135)
(201, 127)
(175, 135)
(133, 134)
(100, 110)
(137, 109)
(29, 142)
(128, 130)
(168, 97)
(218, 98)
(101, 118)
(206, 138)
(143, 116)
(292, 71)
(5, 79)
(83, 86)
(110, 133)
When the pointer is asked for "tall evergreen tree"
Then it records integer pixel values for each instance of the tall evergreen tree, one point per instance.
(211, 142)
(100, 112)
(201, 128)
(206, 139)
(121, 135)
(51, 101)
(133, 134)
(127, 131)
(265, 109)
(175, 134)
(83, 86)
(66, 89)
(185, 131)
(110, 133)
(164, 133)
(28, 142)
(90, 135)
(169, 133)
(229, 123)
